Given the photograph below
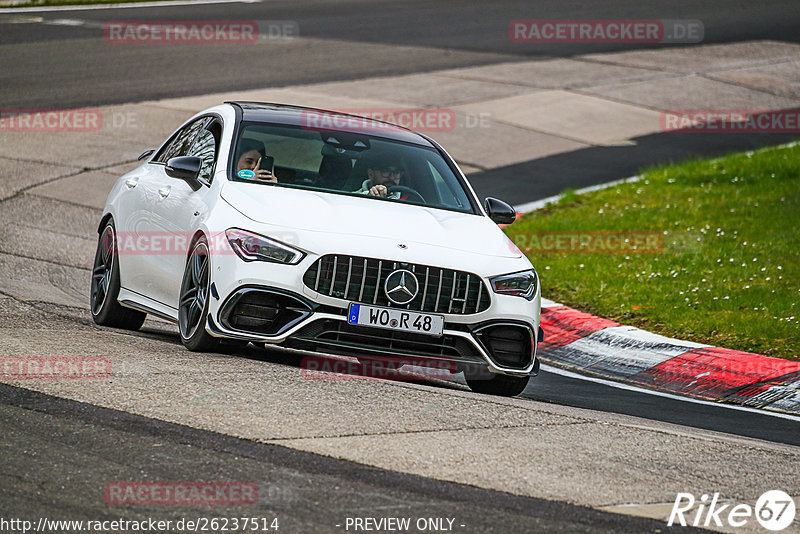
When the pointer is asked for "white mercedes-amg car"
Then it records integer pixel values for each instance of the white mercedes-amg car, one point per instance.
(318, 232)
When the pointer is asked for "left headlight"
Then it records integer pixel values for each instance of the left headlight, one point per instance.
(255, 247)
(522, 284)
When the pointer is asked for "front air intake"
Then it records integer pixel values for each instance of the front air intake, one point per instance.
(509, 345)
(262, 311)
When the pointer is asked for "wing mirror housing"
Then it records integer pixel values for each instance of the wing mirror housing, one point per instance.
(185, 168)
(499, 211)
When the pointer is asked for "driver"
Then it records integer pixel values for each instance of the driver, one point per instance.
(382, 173)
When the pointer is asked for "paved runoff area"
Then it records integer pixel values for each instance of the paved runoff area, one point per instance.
(54, 184)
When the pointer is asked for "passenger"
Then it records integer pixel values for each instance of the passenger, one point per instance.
(250, 154)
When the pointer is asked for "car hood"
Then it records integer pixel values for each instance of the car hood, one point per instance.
(314, 211)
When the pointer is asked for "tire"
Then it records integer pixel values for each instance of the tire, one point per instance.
(193, 303)
(499, 385)
(104, 290)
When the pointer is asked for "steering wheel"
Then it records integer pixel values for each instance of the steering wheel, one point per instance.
(413, 194)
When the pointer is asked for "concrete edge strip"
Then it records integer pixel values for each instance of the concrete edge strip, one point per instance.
(592, 345)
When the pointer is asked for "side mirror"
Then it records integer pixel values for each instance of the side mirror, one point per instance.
(499, 211)
(185, 167)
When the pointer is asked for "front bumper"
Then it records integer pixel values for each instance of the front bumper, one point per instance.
(277, 316)
(318, 320)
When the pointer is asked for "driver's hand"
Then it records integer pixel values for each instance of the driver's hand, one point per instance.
(378, 191)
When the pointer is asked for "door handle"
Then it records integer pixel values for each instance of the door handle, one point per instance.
(131, 182)
(164, 192)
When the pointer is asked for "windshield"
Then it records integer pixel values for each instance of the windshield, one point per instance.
(347, 163)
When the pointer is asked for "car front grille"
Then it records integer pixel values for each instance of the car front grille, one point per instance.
(362, 280)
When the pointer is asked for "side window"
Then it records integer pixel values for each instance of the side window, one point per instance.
(182, 141)
(205, 148)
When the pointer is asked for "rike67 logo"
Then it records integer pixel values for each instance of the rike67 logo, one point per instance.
(774, 510)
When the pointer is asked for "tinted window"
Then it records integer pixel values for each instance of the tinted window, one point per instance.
(181, 141)
(205, 148)
(374, 168)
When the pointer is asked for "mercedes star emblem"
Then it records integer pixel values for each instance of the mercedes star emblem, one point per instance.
(401, 286)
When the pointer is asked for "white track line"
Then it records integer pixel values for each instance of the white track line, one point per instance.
(166, 3)
(539, 204)
(627, 387)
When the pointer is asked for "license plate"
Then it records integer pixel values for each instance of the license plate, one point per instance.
(394, 319)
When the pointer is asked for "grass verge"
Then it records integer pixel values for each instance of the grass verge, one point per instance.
(716, 259)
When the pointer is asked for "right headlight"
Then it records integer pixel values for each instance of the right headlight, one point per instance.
(522, 284)
(254, 247)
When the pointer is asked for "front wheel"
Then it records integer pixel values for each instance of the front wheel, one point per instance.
(500, 385)
(193, 304)
(106, 310)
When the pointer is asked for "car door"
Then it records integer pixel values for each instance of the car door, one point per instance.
(134, 205)
(178, 208)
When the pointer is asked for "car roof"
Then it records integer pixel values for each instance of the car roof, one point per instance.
(327, 120)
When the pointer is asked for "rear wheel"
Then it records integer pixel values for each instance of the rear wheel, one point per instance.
(492, 384)
(106, 310)
(193, 304)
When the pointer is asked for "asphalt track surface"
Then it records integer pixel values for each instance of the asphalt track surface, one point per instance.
(60, 65)
(444, 34)
(60, 59)
(568, 391)
(307, 492)
(68, 65)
